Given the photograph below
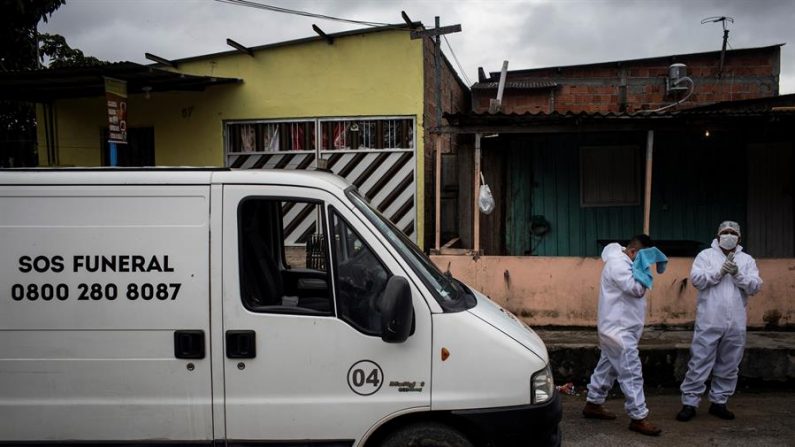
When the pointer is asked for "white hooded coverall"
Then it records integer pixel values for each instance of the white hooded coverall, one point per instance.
(622, 311)
(719, 335)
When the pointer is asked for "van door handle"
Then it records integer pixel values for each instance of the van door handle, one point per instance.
(241, 344)
(189, 344)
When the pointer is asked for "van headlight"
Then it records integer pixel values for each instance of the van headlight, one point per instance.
(542, 385)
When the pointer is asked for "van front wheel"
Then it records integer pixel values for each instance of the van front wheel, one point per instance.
(427, 434)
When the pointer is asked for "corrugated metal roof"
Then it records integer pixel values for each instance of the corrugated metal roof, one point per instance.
(516, 85)
(782, 105)
(119, 64)
(472, 119)
(756, 104)
(508, 119)
(79, 82)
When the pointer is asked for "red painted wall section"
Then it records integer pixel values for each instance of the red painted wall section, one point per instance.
(564, 291)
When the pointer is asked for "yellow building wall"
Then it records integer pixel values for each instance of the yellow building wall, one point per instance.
(78, 127)
(370, 74)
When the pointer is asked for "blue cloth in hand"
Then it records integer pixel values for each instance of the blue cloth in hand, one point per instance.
(641, 268)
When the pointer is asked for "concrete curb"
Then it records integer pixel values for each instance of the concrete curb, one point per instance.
(769, 356)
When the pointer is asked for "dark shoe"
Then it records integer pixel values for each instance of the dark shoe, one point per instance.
(686, 413)
(595, 411)
(721, 411)
(644, 427)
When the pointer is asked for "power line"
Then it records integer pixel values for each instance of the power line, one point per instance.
(455, 58)
(279, 9)
(307, 14)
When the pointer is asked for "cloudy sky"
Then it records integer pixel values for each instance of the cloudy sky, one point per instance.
(528, 33)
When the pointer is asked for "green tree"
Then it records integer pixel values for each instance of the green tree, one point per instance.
(60, 54)
(19, 51)
(18, 31)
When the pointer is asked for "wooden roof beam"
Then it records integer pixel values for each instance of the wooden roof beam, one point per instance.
(160, 60)
(408, 21)
(320, 32)
(239, 47)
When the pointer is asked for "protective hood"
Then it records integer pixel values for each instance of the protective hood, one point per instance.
(612, 250)
(505, 322)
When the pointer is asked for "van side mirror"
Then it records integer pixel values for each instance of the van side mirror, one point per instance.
(397, 311)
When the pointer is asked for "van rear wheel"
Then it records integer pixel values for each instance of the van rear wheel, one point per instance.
(426, 434)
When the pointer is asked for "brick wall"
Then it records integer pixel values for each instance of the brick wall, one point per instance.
(638, 85)
(455, 98)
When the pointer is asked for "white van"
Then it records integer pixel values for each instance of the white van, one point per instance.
(218, 307)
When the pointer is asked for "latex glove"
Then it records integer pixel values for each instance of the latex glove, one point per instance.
(730, 267)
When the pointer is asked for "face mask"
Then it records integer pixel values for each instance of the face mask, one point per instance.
(728, 241)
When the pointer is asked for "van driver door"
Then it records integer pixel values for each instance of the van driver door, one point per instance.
(304, 358)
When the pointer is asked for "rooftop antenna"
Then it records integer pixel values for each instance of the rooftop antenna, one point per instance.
(723, 20)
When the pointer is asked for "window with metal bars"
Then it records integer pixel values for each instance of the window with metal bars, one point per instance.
(255, 136)
(381, 133)
(245, 137)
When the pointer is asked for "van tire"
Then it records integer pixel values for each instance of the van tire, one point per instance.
(426, 434)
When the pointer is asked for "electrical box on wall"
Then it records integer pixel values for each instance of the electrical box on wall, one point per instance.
(676, 73)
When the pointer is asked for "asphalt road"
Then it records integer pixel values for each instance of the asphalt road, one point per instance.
(763, 419)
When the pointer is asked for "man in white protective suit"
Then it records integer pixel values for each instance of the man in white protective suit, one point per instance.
(622, 313)
(725, 276)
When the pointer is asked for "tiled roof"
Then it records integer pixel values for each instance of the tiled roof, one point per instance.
(574, 118)
(516, 85)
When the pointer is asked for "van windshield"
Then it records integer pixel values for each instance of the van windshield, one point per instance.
(450, 293)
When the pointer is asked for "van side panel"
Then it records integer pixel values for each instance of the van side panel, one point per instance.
(94, 282)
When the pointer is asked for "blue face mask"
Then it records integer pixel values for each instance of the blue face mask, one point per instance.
(728, 241)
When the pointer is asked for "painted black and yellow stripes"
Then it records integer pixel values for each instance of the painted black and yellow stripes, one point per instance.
(386, 178)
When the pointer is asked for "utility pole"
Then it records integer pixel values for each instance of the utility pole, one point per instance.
(437, 32)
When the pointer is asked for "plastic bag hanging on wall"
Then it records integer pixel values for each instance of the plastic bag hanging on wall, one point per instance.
(485, 199)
